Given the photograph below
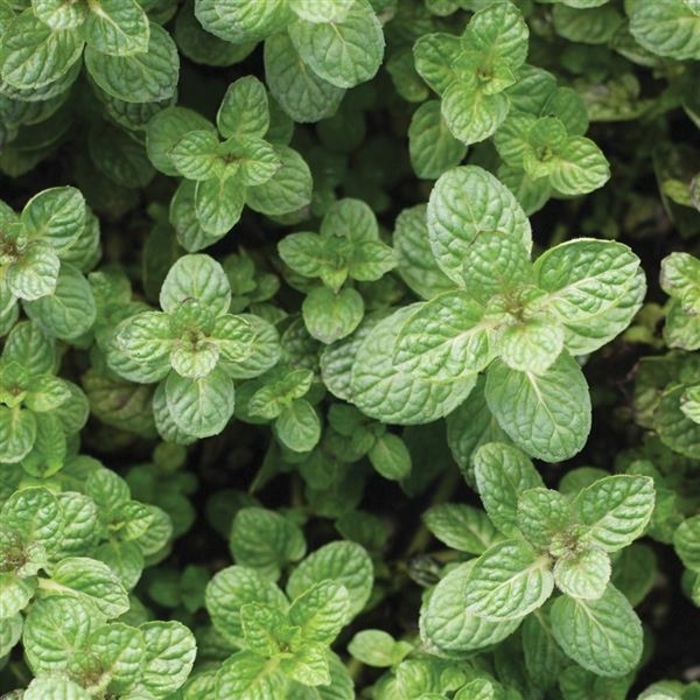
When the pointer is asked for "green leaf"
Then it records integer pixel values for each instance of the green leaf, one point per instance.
(344, 563)
(579, 167)
(196, 155)
(321, 10)
(120, 649)
(30, 347)
(148, 76)
(321, 612)
(686, 542)
(544, 659)
(602, 635)
(169, 657)
(146, 338)
(544, 517)
(265, 541)
(508, 581)
(344, 52)
(15, 594)
(201, 407)
(498, 31)
(70, 311)
(680, 278)
(241, 22)
(198, 277)
(330, 316)
(390, 457)
(218, 205)
(117, 28)
(432, 147)
(595, 288)
(465, 202)
(166, 128)
(57, 214)
(237, 338)
(378, 648)
(415, 261)
(446, 623)
(548, 415)
(244, 110)
(10, 633)
(93, 582)
(248, 676)
(302, 94)
(385, 392)
(298, 426)
(289, 188)
(34, 55)
(615, 510)
(461, 527)
(472, 115)
(17, 433)
(668, 29)
(584, 574)
(445, 339)
(589, 26)
(531, 345)
(435, 55)
(46, 393)
(35, 274)
(59, 15)
(502, 473)
(55, 627)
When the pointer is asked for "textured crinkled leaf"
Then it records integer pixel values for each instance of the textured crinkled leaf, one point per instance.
(461, 527)
(298, 426)
(169, 657)
(676, 430)
(201, 407)
(35, 274)
(302, 94)
(256, 161)
(602, 635)
(266, 350)
(508, 581)
(57, 214)
(446, 622)
(265, 541)
(81, 530)
(471, 114)
(218, 204)
(120, 649)
(680, 278)
(589, 26)
(93, 581)
(70, 311)
(10, 633)
(502, 473)
(183, 217)
(117, 28)
(615, 510)
(686, 542)
(244, 111)
(46, 393)
(464, 202)
(33, 55)
(59, 15)
(344, 563)
(382, 391)
(544, 659)
(54, 688)
(197, 277)
(434, 56)
(584, 574)
(321, 10)
(321, 611)
(378, 648)
(194, 363)
(330, 316)
(166, 128)
(390, 457)
(415, 261)
(532, 345)
(671, 28)
(56, 626)
(240, 21)
(146, 337)
(548, 415)
(445, 339)
(17, 433)
(542, 515)
(343, 52)
(196, 155)
(579, 167)
(498, 31)
(247, 676)
(15, 594)
(287, 191)
(36, 515)
(232, 588)
(148, 76)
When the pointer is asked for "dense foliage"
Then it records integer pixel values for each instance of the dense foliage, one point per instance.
(348, 348)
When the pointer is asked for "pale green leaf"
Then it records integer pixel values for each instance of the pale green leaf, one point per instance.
(583, 574)
(329, 316)
(57, 214)
(35, 274)
(390, 457)
(435, 55)
(244, 110)
(471, 114)
(461, 527)
(121, 649)
(670, 28)
(321, 611)
(117, 27)
(218, 204)
(247, 676)
(198, 277)
(169, 657)
(196, 155)
(298, 426)
(240, 21)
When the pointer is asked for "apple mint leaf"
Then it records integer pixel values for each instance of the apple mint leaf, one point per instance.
(265, 541)
(686, 542)
(303, 95)
(244, 110)
(542, 515)
(544, 659)
(148, 76)
(298, 426)
(58, 15)
(117, 28)
(218, 204)
(57, 215)
(551, 418)
(385, 392)
(583, 574)
(34, 55)
(321, 10)
(508, 581)
(196, 155)
(15, 595)
(472, 115)
(330, 316)
(502, 473)
(320, 612)
(201, 407)
(35, 274)
(465, 202)
(615, 510)
(248, 676)
(378, 648)
(35, 515)
(461, 527)
(344, 52)
(445, 339)
(390, 457)
(239, 21)
(232, 588)
(344, 563)
(56, 688)
(446, 622)
(602, 635)
(680, 279)
(668, 29)
(120, 649)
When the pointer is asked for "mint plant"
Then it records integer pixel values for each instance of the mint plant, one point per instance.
(348, 349)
